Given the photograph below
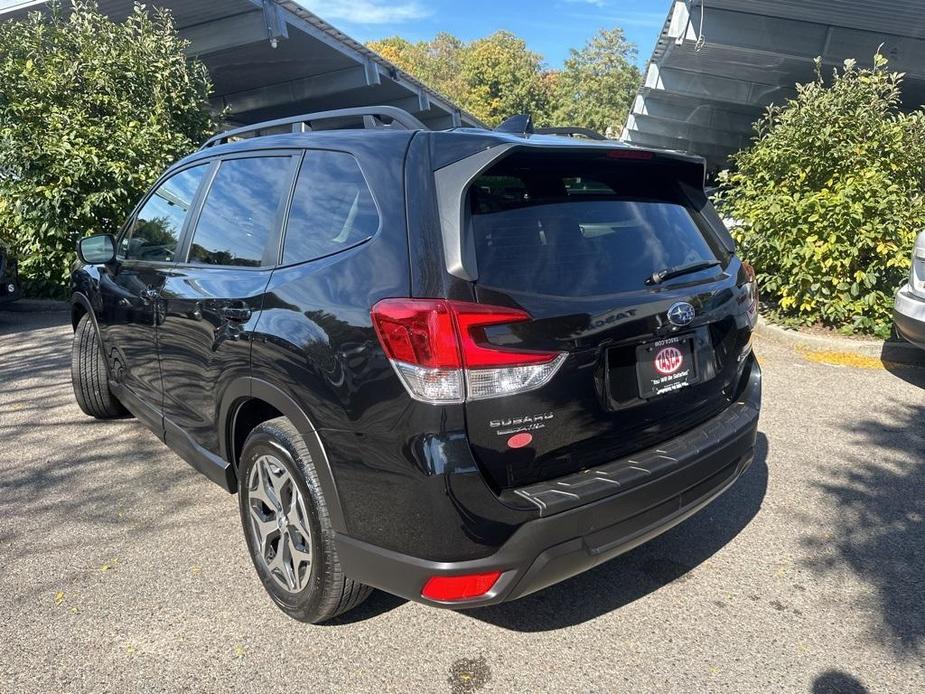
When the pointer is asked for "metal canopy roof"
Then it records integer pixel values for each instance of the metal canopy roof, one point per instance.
(273, 58)
(753, 53)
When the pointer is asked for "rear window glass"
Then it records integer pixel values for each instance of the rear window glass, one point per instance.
(582, 228)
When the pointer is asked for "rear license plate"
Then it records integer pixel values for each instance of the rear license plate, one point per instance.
(665, 366)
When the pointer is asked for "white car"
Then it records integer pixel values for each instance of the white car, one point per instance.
(909, 312)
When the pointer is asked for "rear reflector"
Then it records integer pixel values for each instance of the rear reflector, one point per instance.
(441, 353)
(453, 588)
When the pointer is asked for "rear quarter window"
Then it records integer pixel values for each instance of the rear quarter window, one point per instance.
(332, 208)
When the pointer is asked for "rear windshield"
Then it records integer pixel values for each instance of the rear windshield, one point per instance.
(583, 228)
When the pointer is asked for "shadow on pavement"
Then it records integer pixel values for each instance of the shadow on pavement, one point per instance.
(838, 682)
(14, 322)
(61, 468)
(914, 375)
(879, 500)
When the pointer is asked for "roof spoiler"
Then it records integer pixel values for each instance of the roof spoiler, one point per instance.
(571, 131)
(372, 117)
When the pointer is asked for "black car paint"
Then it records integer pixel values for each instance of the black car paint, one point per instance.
(9, 276)
(400, 475)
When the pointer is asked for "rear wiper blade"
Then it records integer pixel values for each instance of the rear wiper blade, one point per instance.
(678, 270)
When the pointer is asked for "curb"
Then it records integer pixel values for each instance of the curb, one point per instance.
(885, 351)
(35, 306)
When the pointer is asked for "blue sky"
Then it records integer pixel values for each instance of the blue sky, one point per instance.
(550, 27)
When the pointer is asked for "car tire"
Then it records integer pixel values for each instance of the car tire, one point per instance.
(291, 542)
(89, 376)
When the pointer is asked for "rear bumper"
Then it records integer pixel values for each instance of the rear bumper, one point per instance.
(561, 544)
(909, 316)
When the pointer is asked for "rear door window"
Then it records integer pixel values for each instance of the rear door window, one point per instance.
(582, 228)
(240, 212)
(332, 207)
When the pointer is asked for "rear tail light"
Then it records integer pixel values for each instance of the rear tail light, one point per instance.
(441, 353)
(752, 286)
(917, 271)
(453, 588)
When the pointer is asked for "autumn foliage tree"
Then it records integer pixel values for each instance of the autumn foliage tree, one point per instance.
(499, 76)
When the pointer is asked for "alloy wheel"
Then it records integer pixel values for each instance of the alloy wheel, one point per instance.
(279, 523)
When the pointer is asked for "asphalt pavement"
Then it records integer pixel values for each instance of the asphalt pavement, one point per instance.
(123, 570)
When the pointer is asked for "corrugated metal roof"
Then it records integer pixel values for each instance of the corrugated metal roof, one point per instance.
(896, 17)
(699, 89)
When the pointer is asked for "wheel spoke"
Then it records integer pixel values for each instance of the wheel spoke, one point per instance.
(298, 558)
(277, 483)
(261, 488)
(263, 529)
(277, 565)
(301, 551)
(298, 515)
(289, 565)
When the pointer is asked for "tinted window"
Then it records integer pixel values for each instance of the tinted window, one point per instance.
(332, 208)
(154, 232)
(239, 211)
(567, 231)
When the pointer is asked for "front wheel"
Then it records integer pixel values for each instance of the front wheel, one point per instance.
(89, 376)
(287, 527)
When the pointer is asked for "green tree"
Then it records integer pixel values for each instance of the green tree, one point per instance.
(91, 112)
(597, 84)
(493, 77)
(502, 77)
(830, 194)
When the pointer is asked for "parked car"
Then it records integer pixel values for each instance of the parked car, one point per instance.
(459, 366)
(909, 310)
(9, 276)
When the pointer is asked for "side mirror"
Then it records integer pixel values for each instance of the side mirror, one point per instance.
(97, 250)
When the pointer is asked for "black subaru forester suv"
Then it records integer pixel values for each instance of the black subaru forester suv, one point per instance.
(459, 366)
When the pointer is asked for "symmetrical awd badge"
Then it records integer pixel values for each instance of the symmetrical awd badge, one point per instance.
(681, 313)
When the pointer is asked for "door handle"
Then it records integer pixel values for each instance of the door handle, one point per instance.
(236, 315)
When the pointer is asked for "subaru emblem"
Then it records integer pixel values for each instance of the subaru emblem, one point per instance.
(681, 313)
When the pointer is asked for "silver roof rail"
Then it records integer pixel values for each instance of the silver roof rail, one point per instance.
(373, 117)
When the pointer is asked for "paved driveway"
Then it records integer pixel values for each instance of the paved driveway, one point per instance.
(122, 570)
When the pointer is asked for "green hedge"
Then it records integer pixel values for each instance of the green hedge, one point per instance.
(91, 112)
(830, 198)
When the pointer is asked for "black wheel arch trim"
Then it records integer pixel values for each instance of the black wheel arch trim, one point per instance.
(248, 388)
(79, 298)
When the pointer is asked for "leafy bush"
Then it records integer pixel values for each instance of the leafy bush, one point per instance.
(830, 196)
(91, 112)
